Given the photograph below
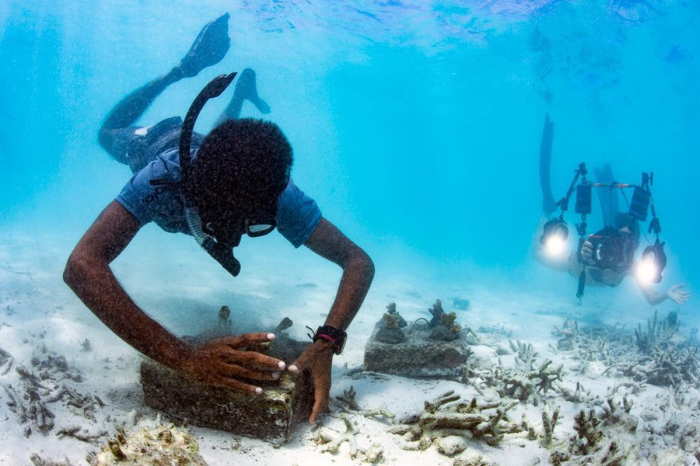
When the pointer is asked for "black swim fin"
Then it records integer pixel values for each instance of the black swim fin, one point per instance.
(548, 203)
(608, 197)
(246, 88)
(208, 49)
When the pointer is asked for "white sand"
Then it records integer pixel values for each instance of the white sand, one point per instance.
(174, 282)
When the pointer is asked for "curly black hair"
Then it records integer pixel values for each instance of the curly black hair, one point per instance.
(242, 167)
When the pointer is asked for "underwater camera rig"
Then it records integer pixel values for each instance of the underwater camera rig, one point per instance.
(610, 248)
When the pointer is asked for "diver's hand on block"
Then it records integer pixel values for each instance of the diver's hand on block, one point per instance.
(224, 361)
(318, 360)
(677, 294)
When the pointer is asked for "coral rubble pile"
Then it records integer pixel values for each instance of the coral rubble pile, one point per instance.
(450, 424)
(149, 446)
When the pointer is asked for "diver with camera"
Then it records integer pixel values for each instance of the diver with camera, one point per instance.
(607, 256)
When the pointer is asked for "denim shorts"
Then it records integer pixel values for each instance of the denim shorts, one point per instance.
(137, 146)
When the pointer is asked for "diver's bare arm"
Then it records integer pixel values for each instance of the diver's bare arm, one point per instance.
(652, 296)
(88, 274)
(676, 293)
(358, 271)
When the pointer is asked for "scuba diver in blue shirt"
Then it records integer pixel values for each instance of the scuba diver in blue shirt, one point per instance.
(235, 181)
(606, 257)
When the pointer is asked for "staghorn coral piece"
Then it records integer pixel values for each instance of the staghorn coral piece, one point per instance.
(657, 334)
(520, 387)
(568, 330)
(44, 386)
(579, 395)
(383, 412)
(348, 399)
(674, 365)
(75, 432)
(350, 405)
(619, 414)
(547, 378)
(631, 386)
(548, 425)
(148, 446)
(39, 461)
(590, 344)
(526, 385)
(586, 427)
(332, 440)
(525, 355)
(668, 367)
(436, 311)
(437, 403)
(605, 440)
(446, 416)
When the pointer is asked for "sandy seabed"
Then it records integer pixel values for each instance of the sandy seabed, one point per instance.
(91, 384)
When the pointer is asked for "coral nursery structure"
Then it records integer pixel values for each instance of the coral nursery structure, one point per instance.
(435, 348)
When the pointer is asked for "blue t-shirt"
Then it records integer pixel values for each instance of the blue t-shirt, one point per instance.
(297, 214)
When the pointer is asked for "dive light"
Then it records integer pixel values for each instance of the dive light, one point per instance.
(653, 263)
(554, 236)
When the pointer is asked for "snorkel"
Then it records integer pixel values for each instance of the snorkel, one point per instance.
(220, 251)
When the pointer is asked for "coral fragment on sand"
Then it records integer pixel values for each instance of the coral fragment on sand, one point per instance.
(446, 416)
(166, 445)
(332, 440)
(349, 404)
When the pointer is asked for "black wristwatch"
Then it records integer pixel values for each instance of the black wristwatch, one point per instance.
(334, 337)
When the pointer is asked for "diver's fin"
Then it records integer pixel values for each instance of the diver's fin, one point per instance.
(246, 88)
(208, 49)
(608, 197)
(548, 203)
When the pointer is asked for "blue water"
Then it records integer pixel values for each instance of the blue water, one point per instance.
(415, 124)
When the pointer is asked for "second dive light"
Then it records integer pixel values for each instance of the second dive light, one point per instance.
(652, 265)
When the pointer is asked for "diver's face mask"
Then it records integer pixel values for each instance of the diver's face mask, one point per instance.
(219, 231)
(248, 227)
(230, 228)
